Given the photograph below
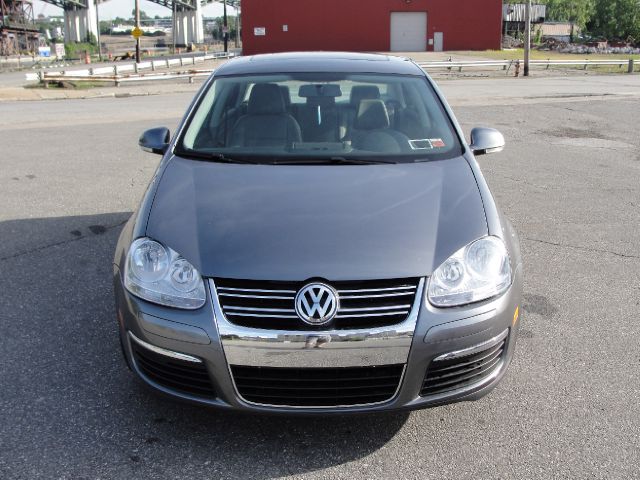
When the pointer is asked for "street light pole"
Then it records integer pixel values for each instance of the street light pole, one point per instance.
(138, 26)
(527, 39)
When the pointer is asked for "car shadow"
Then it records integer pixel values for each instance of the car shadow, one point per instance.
(67, 391)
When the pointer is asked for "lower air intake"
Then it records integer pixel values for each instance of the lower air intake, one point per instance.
(464, 371)
(178, 375)
(317, 387)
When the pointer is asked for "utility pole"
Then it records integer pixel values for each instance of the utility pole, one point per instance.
(527, 39)
(572, 20)
(225, 27)
(138, 26)
(237, 25)
(98, 22)
(175, 26)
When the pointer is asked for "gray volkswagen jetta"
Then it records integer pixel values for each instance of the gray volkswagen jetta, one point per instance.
(317, 238)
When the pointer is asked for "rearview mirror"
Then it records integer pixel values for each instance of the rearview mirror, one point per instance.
(155, 140)
(486, 140)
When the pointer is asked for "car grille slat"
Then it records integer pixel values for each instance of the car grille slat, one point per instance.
(269, 297)
(259, 315)
(367, 309)
(378, 314)
(179, 375)
(178, 382)
(257, 290)
(271, 304)
(265, 309)
(468, 374)
(444, 376)
(317, 387)
(469, 362)
(267, 379)
(310, 389)
(377, 295)
(363, 290)
(170, 372)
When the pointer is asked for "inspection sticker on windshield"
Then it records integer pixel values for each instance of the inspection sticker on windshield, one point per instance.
(437, 143)
(421, 144)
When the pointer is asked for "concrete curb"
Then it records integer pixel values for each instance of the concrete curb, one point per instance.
(16, 94)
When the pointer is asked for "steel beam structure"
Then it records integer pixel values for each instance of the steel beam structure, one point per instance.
(80, 19)
(187, 18)
(18, 31)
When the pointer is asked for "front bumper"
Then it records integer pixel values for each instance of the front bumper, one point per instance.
(434, 340)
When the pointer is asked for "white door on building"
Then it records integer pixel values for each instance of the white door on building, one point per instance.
(438, 41)
(408, 31)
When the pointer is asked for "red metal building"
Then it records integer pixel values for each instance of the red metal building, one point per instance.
(370, 25)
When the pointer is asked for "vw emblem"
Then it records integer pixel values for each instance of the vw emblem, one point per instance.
(317, 304)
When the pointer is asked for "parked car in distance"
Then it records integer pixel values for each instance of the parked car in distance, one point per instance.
(319, 238)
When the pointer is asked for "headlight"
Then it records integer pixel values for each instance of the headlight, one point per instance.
(476, 272)
(156, 273)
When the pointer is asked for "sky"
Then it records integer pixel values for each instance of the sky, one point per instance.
(122, 8)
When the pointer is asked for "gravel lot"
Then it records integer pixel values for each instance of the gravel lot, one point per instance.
(70, 175)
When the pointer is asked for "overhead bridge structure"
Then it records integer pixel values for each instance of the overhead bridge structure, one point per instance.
(80, 19)
(187, 18)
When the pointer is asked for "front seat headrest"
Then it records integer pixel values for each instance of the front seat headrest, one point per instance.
(372, 115)
(265, 99)
(286, 96)
(363, 92)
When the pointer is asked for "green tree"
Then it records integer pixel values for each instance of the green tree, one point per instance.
(105, 27)
(143, 15)
(616, 19)
(575, 11)
(92, 39)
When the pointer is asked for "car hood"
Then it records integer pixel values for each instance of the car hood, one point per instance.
(296, 222)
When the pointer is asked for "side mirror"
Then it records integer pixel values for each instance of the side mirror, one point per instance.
(155, 140)
(486, 140)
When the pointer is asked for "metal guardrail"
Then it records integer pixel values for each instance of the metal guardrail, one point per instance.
(131, 72)
(507, 64)
(124, 78)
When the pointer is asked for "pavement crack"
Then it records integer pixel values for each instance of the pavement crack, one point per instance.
(578, 247)
(61, 242)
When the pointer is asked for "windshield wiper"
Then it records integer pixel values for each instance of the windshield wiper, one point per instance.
(331, 161)
(212, 157)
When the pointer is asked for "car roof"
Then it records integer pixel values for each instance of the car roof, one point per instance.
(300, 62)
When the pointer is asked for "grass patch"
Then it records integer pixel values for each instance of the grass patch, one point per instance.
(518, 53)
(72, 85)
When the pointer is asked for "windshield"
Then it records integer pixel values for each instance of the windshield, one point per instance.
(304, 118)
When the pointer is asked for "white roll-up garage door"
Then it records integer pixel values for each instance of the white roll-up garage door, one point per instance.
(408, 31)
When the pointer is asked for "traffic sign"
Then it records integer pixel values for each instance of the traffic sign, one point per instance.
(137, 32)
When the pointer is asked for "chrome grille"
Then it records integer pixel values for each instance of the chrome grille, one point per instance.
(467, 369)
(271, 305)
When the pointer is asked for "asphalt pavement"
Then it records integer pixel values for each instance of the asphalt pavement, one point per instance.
(71, 174)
